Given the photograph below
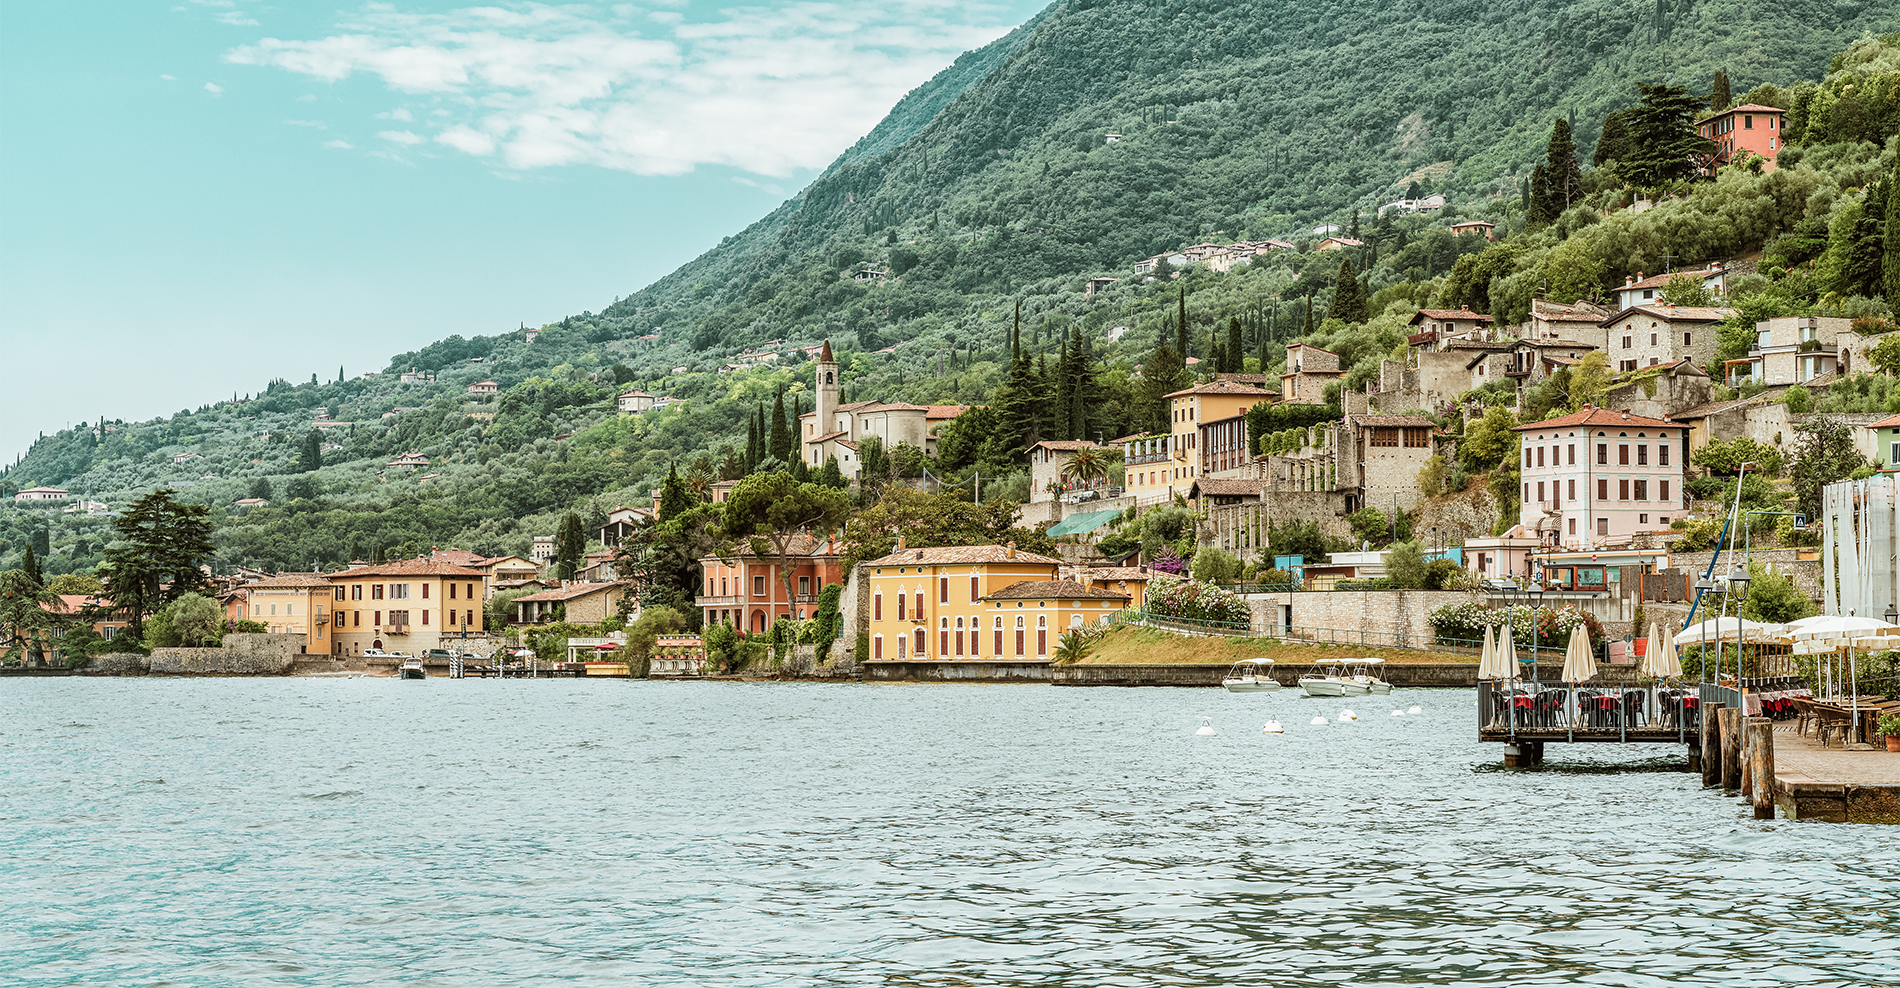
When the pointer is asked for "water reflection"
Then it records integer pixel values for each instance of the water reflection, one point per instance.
(476, 833)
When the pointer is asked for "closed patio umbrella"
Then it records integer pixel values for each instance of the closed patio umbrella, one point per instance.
(1488, 665)
(1579, 665)
(1662, 660)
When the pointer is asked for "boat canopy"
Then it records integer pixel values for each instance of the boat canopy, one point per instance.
(1362, 662)
(1254, 662)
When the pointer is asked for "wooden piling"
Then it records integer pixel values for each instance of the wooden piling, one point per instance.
(1731, 726)
(1711, 746)
(1761, 767)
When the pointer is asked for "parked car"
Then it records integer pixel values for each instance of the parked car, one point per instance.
(1496, 585)
(441, 654)
(1077, 497)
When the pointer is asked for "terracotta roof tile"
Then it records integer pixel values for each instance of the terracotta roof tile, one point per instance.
(1053, 590)
(570, 591)
(1602, 416)
(953, 555)
(289, 581)
(1230, 486)
(407, 567)
(1218, 387)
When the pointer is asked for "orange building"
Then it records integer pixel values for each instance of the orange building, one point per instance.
(981, 601)
(292, 604)
(410, 605)
(1747, 129)
(748, 592)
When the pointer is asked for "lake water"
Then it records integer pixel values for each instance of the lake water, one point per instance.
(485, 833)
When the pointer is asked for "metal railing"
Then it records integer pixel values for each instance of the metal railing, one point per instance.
(1189, 626)
(1596, 711)
(1372, 638)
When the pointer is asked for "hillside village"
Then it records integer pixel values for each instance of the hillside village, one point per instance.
(1451, 397)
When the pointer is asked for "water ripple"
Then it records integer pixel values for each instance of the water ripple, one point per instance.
(479, 833)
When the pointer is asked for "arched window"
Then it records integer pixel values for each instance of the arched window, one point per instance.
(877, 649)
(1042, 635)
(877, 606)
(920, 643)
(943, 636)
(999, 636)
(1019, 636)
(959, 636)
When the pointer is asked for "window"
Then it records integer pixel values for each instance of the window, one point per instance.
(1622, 490)
(1627, 341)
(1540, 492)
(975, 591)
(468, 619)
(1572, 494)
(1540, 458)
(1019, 636)
(1527, 456)
(1603, 489)
(758, 586)
(960, 637)
(1642, 519)
(376, 591)
(1572, 458)
(377, 616)
(804, 586)
(1662, 491)
(1042, 635)
(399, 619)
(1623, 454)
(1603, 454)
(1603, 526)
(901, 598)
(356, 619)
(919, 643)
(943, 638)
(919, 601)
(1573, 526)
(943, 590)
(425, 591)
(1662, 454)
(1385, 435)
(1652, 339)
(425, 616)
(339, 593)
(1686, 339)
(1642, 455)
(1527, 490)
(877, 648)
(452, 588)
(877, 606)
(356, 591)
(999, 637)
(1642, 490)
(399, 591)
(1417, 437)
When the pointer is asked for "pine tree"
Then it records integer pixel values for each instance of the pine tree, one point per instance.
(1613, 142)
(1663, 142)
(1349, 297)
(1719, 97)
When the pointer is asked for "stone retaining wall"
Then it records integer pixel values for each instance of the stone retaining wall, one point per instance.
(958, 672)
(241, 655)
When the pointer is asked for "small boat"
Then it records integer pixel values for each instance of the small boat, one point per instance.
(1339, 677)
(411, 669)
(1251, 676)
(1373, 683)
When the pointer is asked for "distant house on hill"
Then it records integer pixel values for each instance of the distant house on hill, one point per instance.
(634, 402)
(483, 388)
(41, 494)
(409, 461)
(1473, 226)
(1338, 243)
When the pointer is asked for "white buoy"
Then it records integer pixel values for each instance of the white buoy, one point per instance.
(1273, 727)
(1413, 710)
(1345, 715)
(1319, 722)
(1398, 713)
(1206, 729)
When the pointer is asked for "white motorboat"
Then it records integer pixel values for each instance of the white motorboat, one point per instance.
(1251, 676)
(1344, 677)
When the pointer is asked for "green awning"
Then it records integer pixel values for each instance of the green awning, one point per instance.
(1083, 523)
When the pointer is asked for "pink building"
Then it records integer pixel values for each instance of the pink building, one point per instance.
(1597, 475)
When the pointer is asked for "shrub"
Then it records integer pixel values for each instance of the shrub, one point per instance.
(1171, 596)
(1214, 565)
(1463, 623)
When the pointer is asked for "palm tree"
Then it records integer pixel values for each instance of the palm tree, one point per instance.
(1086, 464)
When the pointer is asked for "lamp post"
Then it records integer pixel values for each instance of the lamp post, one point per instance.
(1535, 591)
(1738, 584)
(1703, 588)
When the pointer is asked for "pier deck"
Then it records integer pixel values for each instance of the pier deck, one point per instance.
(1841, 786)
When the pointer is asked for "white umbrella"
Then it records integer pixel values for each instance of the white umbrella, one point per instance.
(1579, 665)
(1838, 626)
(1661, 662)
(1506, 652)
(1725, 629)
(1488, 665)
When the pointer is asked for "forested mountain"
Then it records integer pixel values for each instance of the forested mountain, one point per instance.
(965, 225)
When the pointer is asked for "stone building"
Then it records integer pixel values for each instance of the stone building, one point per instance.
(1309, 370)
(1648, 335)
(1049, 469)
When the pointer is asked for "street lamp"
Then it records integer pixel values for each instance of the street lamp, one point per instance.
(1535, 591)
(1703, 588)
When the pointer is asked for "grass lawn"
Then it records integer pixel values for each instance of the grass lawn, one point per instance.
(1128, 645)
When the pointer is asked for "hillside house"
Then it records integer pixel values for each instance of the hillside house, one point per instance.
(1741, 131)
(1648, 335)
(634, 402)
(1189, 408)
(836, 429)
(186, 458)
(1790, 350)
(1146, 464)
(483, 388)
(748, 592)
(1435, 327)
(409, 461)
(1337, 243)
(1094, 285)
(1638, 290)
(580, 603)
(1049, 469)
(621, 522)
(1309, 370)
(1461, 228)
(41, 494)
(1598, 475)
(1580, 321)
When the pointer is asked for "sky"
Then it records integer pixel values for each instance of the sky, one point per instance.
(198, 197)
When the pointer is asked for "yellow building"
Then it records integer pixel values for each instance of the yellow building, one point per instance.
(410, 605)
(1188, 410)
(1126, 581)
(950, 603)
(1146, 465)
(294, 604)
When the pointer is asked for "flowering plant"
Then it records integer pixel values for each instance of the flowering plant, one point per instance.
(1172, 596)
(1465, 622)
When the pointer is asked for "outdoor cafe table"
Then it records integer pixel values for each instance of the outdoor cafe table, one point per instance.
(1842, 708)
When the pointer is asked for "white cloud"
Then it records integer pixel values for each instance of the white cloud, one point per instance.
(168, 77)
(397, 114)
(401, 136)
(340, 144)
(318, 124)
(235, 19)
(766, 90)
(214, 89)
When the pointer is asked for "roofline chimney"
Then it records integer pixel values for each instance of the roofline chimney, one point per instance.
(901, 540)
(1009, 550)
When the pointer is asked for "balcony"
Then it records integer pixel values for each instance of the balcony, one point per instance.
(1517, 372)
(1816, 346)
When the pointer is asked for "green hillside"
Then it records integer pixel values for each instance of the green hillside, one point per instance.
(991, 191)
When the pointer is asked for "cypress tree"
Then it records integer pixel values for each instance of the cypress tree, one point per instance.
(1308, 331)
(1180, 324)
(754, 444)
(1719, 97)
(1890, 262)
(1235, 348)
(1081, 386)
(675, 498)
(1563, 177)
(1537, 199)
(781, 433)
(1349, 297)
(31, 564)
